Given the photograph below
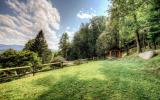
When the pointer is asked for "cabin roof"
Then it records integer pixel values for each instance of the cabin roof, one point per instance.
(114, 49)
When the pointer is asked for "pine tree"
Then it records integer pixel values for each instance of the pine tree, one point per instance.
(64, 44)
(39, 46)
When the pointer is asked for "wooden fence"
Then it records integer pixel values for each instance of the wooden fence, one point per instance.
(9, 74)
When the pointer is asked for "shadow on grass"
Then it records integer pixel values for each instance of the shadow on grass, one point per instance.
(45, 81)
(115, 87)
(72, 88)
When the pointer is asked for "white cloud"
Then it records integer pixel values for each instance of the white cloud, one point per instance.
(70, 32)
(29, 19)
(68, 28)
(86, 14)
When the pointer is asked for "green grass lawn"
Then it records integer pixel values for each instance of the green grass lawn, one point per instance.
(125, 79)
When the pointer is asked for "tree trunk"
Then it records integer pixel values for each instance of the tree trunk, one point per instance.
(154, 44)
(149, 45)
(144, 40)
(127, 50)
(126, 47)
(139, 47)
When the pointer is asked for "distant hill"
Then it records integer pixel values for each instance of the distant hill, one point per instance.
(16, 47)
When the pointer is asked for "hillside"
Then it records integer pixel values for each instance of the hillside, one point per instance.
(125, 79)
(16, 47)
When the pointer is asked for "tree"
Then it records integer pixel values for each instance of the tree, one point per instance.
(64, 44)
(154, 22)
(80, 42)
(39, 46)
(98, 25)
(29, 45)
(113, 26)
(129, 9)
(84, 40)
(72, 52)
(104, 43)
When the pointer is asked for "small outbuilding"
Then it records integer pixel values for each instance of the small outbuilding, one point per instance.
(115, 53)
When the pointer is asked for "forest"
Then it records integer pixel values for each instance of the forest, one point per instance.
(130, 24)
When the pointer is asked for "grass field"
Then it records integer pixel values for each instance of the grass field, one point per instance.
(126, 79)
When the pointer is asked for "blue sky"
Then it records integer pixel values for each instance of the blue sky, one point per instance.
(20, 20)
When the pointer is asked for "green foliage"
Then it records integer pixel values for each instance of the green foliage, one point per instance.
(84, 41)
(58, 59)
(29, 45)
(56, 53)
(105, 42)
(98, 25)
(64, 45)
(47, 56)
(12, 58)
(154, 22)
(71, 53)
(80, 43)
(39, 46)
(135, 20)
(129, 24)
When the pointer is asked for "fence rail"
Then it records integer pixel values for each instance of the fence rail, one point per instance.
(5, 69)
(8, 74)
(23, 67)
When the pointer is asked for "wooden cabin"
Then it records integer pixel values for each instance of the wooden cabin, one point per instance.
(115, 53)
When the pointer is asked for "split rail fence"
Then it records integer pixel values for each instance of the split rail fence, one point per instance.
(9, 74)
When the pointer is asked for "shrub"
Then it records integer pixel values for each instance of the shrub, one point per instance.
(58, 59)
(77, 62)
(11, 58)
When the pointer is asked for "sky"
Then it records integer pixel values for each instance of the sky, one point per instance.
(21, 20)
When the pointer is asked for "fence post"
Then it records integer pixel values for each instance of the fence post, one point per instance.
(15, 72)
(33, 70)
(61, 64)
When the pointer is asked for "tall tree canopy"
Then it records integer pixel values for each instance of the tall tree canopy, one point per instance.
(84, 41)
(154, 22)
(129, 24)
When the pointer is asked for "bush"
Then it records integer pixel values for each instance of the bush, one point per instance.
(58, 59)
(77, 62)
(11, 58)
